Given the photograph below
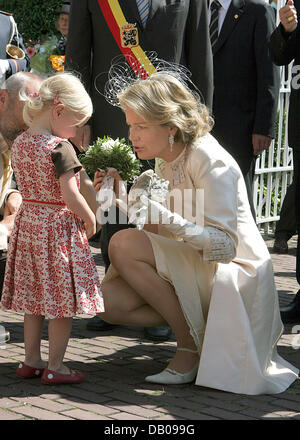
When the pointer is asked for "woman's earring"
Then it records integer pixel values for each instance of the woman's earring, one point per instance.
(171, 142)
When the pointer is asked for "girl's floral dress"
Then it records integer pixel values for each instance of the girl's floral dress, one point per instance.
(50, 270)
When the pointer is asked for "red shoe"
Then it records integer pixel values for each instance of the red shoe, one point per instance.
(53, 378)
(27, 372)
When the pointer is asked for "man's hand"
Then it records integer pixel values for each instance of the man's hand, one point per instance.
(288, 16)
(260, 143)
(8, 222)
(82, 138)
(12, 204)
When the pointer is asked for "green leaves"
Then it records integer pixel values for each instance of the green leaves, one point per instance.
(107, 152)
(35, 18)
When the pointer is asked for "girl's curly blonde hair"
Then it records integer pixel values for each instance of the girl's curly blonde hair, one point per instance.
(64, 88)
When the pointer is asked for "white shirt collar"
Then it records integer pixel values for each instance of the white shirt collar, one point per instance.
(225, 4)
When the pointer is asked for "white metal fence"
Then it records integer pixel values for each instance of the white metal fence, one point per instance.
(274, 167)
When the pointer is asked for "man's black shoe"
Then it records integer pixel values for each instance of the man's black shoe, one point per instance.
(157, 333)
(291, 313)
(280, 246)
(98, 325)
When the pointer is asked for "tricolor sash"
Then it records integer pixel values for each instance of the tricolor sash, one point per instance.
(129, 45)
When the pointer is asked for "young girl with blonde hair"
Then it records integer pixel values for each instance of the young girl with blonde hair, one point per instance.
(50, 270)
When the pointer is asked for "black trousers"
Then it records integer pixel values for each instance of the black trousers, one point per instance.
(248, 169)
(286, 225)
(112, 221)
(249, 178)
(296, 181)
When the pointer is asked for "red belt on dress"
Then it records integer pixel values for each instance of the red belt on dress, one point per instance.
(42, 203)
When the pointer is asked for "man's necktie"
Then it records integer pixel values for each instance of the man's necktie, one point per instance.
(143, 7)
(214, 20)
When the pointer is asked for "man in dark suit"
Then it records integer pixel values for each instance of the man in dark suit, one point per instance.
(177, 30)
(246, 82)
(284, 48)
(11, 60)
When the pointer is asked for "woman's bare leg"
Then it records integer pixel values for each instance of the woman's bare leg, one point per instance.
(124, 306)
(131, 253)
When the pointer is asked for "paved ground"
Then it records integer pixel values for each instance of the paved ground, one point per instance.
(116, 363)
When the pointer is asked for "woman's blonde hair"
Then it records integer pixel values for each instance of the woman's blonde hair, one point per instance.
(165, 100)
(64, 88)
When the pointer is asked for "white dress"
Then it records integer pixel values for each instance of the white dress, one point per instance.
(232, 309)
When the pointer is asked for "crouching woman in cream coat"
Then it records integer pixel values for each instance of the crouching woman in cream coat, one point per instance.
(212, 283)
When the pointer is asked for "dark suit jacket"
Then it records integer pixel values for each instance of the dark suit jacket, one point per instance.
(5, 33)
(245, 79)
(284, 48)
(176, 29)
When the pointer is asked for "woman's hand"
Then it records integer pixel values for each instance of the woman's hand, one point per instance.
(98, 179)
(119, 187)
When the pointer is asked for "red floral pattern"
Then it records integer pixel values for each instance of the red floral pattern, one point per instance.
(50, 270)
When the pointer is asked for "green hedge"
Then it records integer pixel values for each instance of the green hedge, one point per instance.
(35, 18)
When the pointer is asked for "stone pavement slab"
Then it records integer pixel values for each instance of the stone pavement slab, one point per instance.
(115, 364)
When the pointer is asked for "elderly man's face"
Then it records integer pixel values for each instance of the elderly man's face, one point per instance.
(11, 119)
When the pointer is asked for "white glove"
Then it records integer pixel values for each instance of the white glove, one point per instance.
(156, 213)
(138, 214)
(4, 67)
(3, 237)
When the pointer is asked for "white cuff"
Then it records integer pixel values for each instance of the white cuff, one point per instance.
(3, 237)
(220, 249)
(4, 66)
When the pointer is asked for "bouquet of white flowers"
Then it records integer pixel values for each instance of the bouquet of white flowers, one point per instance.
(108, 153)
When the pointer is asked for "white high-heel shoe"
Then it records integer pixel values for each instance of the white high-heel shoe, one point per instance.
(173, 377)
